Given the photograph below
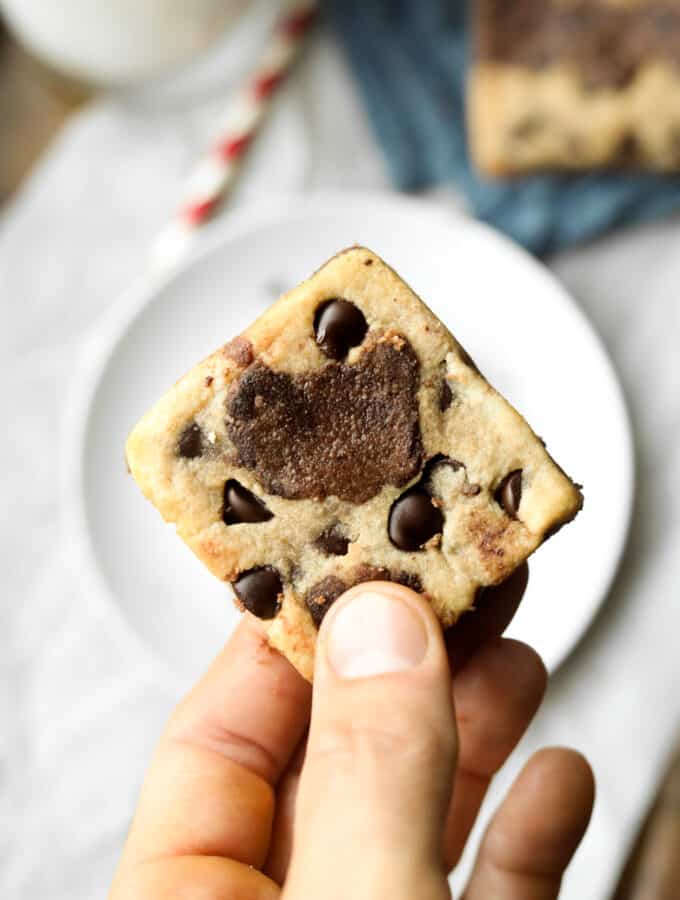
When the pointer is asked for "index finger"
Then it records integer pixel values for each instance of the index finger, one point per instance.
(209, 790)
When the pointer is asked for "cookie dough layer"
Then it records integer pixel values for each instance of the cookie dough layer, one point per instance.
(522, 120)
(346, 436)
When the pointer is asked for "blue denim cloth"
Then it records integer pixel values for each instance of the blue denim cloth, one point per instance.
(409, 57)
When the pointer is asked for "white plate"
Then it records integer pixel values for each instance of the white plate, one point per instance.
(518, 323)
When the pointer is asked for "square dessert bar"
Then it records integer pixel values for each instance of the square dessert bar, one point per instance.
(344, 437)
(575, 84)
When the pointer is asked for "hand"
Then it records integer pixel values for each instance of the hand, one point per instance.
(388, 782)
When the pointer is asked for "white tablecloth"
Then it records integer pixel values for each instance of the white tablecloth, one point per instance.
(80, 708)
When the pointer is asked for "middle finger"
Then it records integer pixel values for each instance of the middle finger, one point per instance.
(496, 696)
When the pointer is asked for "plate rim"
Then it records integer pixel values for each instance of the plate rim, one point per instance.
(110, 328)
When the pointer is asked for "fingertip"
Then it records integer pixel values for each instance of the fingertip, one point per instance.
(564, 780)
(545, 814)
(567, 767)
(379, 628)
(504, 672)
(525, 665)
(533, 836)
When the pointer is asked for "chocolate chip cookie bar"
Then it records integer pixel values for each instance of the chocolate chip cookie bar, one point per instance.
(345, 437)
(575, 84)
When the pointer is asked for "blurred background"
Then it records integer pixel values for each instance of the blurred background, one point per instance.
(133, 132)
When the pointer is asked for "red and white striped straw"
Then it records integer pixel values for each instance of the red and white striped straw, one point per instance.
(215, 172)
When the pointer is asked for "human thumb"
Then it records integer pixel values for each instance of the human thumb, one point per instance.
(378, 772)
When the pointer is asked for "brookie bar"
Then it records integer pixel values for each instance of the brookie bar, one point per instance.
(575, 84)
(344, 437)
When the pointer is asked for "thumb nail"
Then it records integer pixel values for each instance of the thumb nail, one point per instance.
(374, 634)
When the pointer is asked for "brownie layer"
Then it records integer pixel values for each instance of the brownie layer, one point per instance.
(606, 42)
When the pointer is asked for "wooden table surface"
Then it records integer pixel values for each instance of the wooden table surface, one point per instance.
(33, 105)
(653, 869)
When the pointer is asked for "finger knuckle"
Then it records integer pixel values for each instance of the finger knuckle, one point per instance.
(347, 743)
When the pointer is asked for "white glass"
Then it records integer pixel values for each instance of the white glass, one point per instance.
(119, 42)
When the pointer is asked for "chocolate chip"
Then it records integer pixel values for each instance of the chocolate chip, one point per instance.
(324, 593)
(628, 152)
(673, 146)
(240, 505)
(190, 444)
(209, 380)
(339, 325)
(368, 262)
(258, 590)
(509, 493)
(445, 396)
(527, 127)
(364, 572)
(332, 542)
(576, 147)
(414, 519)
(322, 596)
(625, 74)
